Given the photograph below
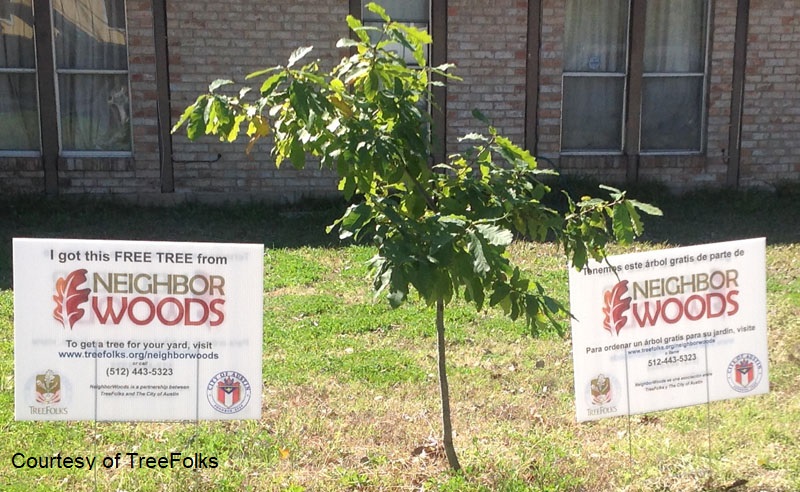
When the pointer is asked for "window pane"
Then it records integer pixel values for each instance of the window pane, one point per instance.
(595, 36)
(404, 53)
(19, 112)
(591, 116)
(674, 36)
(95, 112)
(671, 113)
(401, 10)
(16, 34)
(88, 36)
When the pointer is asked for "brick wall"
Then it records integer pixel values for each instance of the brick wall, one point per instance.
(771, 122)
(210, 40)
(21, 175)
(488, 45)
(551, 66)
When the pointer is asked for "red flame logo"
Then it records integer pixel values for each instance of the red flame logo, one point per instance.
(69, 297)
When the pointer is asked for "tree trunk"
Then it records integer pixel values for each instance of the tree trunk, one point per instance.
(447, 427)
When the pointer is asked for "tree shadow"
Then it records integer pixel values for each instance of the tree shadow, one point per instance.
(81, 218)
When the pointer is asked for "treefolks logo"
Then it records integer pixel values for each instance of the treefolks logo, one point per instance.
(49, 394)
(601, 395)
(48, 388)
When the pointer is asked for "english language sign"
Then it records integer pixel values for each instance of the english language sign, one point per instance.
(669, 328)
(130, 330)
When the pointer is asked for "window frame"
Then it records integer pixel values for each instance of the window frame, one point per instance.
(23, 70)
(48, 92)
(59, 72)
(631, 129)
(18, 152)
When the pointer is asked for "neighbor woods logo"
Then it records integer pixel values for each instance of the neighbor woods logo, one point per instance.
(670, 300)
(140, 298)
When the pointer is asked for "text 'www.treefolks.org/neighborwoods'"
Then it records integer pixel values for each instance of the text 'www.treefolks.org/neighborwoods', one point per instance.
(120, 460)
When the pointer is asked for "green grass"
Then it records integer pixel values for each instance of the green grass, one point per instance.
(350, 395)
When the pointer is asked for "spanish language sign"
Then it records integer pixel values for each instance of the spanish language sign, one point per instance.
(128, 330)
(669, 328)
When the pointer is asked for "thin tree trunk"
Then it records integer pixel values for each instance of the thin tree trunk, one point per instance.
(447, 427)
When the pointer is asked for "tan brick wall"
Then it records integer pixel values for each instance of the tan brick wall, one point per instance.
(488, 44)
(771, 123)
(210, 40)
(20, 175)
(551, 66)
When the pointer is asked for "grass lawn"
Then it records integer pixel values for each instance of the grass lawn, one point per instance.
(350, 395)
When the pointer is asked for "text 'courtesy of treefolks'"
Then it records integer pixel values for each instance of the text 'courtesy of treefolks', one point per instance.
(115, 330)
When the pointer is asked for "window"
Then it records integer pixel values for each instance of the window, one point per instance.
(19, 110)
(600, 63)
(431, 16)
(410, 12)
(90, 76)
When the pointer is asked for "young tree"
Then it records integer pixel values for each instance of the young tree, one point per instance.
(441, 229)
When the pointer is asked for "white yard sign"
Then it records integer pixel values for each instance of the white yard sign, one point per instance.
(669, 328)
(127, 330)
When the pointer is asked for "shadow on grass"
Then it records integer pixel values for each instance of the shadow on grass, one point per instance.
(693, 218)
(711, 215)
(275, 227)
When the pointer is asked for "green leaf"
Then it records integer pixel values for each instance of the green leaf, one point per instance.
(299, 100)
(512, 153)
(615, 193)
(579, 255)
(636, 221)
(479, 263)
(377, 9)
(646, 207)
(298, 54)
(259, 73)
(480, 116)
(272, 81)
(500, 292)
(187, 113)
(358, 28)
(623, 229)
(297, 155)
(473, 137)
(218, 83)
(494, 235)
(474, 287)
(347, 43)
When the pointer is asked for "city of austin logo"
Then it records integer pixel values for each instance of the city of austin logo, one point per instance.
(70, 297)
(228, 392)
(744, 373)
